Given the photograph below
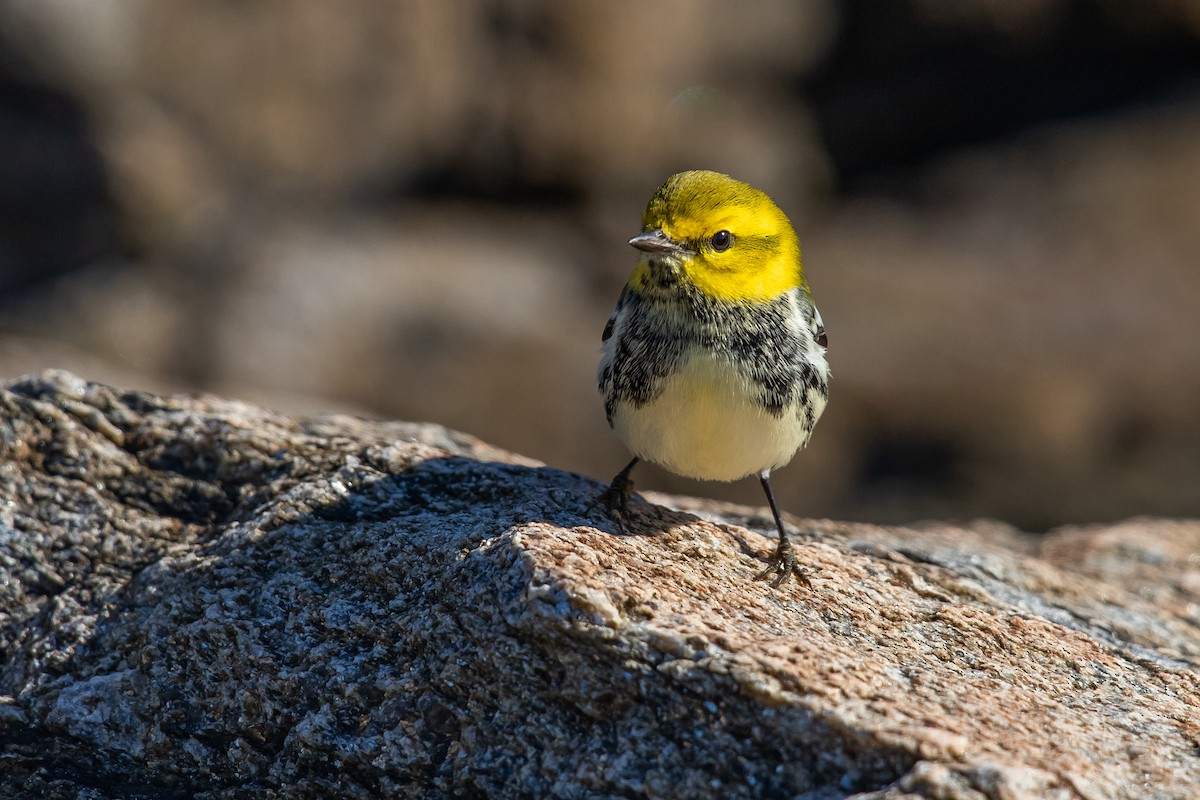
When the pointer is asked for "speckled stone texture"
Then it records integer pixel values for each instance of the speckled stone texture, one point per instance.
(199, 598)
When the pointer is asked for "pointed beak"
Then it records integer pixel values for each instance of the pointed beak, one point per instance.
(655, 242)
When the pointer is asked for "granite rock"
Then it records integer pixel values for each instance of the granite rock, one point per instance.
(201, 598)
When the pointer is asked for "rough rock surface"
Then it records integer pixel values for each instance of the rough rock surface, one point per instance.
(199, 598)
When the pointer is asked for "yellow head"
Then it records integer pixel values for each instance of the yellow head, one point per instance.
(725, 237)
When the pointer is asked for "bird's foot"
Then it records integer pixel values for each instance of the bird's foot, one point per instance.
(783, 562)
(615, 499)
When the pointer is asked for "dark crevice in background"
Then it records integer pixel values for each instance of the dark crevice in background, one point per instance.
(907, 464)
(900, 88)
(56, 212)
(504, 183)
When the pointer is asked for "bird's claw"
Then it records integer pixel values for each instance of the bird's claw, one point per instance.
(615, 502)
(783, 562)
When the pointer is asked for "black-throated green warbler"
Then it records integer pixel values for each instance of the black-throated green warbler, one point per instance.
(714, 358)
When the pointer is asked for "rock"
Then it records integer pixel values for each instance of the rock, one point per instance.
(199, 598)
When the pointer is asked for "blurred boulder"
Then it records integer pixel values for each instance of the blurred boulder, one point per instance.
(420, 209)
(1028, 324)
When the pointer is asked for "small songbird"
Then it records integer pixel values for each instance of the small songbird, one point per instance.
(714, 358)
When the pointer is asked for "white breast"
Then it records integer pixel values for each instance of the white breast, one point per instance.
(706, 424)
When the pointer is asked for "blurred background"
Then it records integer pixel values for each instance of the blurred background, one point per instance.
(419, 210)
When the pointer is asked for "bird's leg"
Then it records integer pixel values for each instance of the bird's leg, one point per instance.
(616, 497)
(784, 559)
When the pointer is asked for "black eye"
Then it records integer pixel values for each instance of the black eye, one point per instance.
(721, 241)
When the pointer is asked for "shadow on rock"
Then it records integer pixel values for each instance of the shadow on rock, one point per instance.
(498, 493)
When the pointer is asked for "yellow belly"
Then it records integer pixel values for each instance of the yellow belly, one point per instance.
(706, 424)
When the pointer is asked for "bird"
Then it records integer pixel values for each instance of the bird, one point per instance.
(713, 363)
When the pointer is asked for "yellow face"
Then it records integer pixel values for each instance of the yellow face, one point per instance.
(730, 240)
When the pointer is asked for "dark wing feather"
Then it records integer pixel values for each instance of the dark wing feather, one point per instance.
(612, 320)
